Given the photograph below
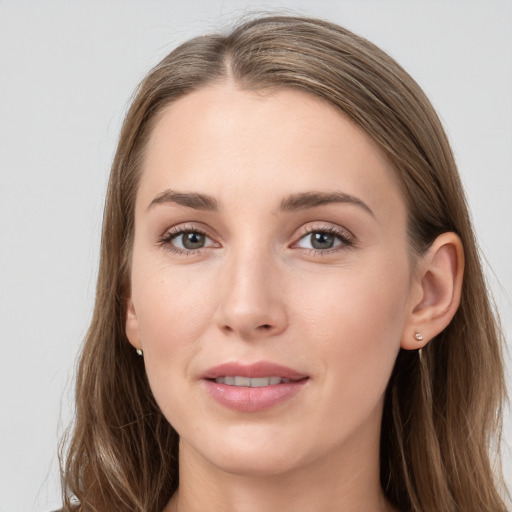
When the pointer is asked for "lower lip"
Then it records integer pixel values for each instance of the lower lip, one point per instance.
(247, 399)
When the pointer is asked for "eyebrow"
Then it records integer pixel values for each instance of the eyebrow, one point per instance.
(190, 199)
(294, 202)
(307, 200)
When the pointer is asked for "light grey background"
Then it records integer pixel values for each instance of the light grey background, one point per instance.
(67, 72)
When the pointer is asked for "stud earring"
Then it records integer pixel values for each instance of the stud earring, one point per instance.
(418, 337)
(139, 352)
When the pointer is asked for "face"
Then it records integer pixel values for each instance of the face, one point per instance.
(270, 281)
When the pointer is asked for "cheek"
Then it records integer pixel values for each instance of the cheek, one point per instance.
(170, 302)
(173, 311)
(355, 320)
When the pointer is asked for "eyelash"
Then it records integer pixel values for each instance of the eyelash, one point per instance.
(166, 240)
(346, 239)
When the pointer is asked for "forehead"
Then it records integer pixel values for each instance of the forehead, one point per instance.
(230, 142)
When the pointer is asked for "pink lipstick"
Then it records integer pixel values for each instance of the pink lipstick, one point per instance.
(253, 387)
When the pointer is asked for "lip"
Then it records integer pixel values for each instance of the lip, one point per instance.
(253, 371)
(253, 399)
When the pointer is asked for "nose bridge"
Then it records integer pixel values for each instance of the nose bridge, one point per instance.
(251, 300)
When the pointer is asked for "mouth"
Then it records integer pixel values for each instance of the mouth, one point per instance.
(256, 382)
(254, 387)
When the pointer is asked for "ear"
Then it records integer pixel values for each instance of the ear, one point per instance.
(436, 292)
(132, 325)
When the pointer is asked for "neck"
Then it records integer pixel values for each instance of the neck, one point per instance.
(344, 480)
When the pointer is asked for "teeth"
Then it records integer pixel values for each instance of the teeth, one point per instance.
(256, 382)
(242, 381)
(262, 381)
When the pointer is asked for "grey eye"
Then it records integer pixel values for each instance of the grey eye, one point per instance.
(190, 240)
(321, 240)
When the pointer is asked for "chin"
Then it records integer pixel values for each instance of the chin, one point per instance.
(256, 464)
(254, 455)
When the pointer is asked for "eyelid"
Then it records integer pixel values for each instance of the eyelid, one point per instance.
(312, 227)
(344, 235)
(165, 240)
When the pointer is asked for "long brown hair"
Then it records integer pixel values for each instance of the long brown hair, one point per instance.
(442, 413)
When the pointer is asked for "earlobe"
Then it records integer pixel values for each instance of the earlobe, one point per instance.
(132, 325)
(439, 278)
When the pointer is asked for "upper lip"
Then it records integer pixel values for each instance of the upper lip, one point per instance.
(253, 370)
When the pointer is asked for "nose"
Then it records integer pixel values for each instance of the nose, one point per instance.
(252, 302)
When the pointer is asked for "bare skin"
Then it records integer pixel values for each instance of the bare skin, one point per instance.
(270, 228)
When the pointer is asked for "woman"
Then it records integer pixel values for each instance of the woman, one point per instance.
(290, 312)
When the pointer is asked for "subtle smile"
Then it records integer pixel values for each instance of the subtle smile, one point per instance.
(256, 382)
(252, 387)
